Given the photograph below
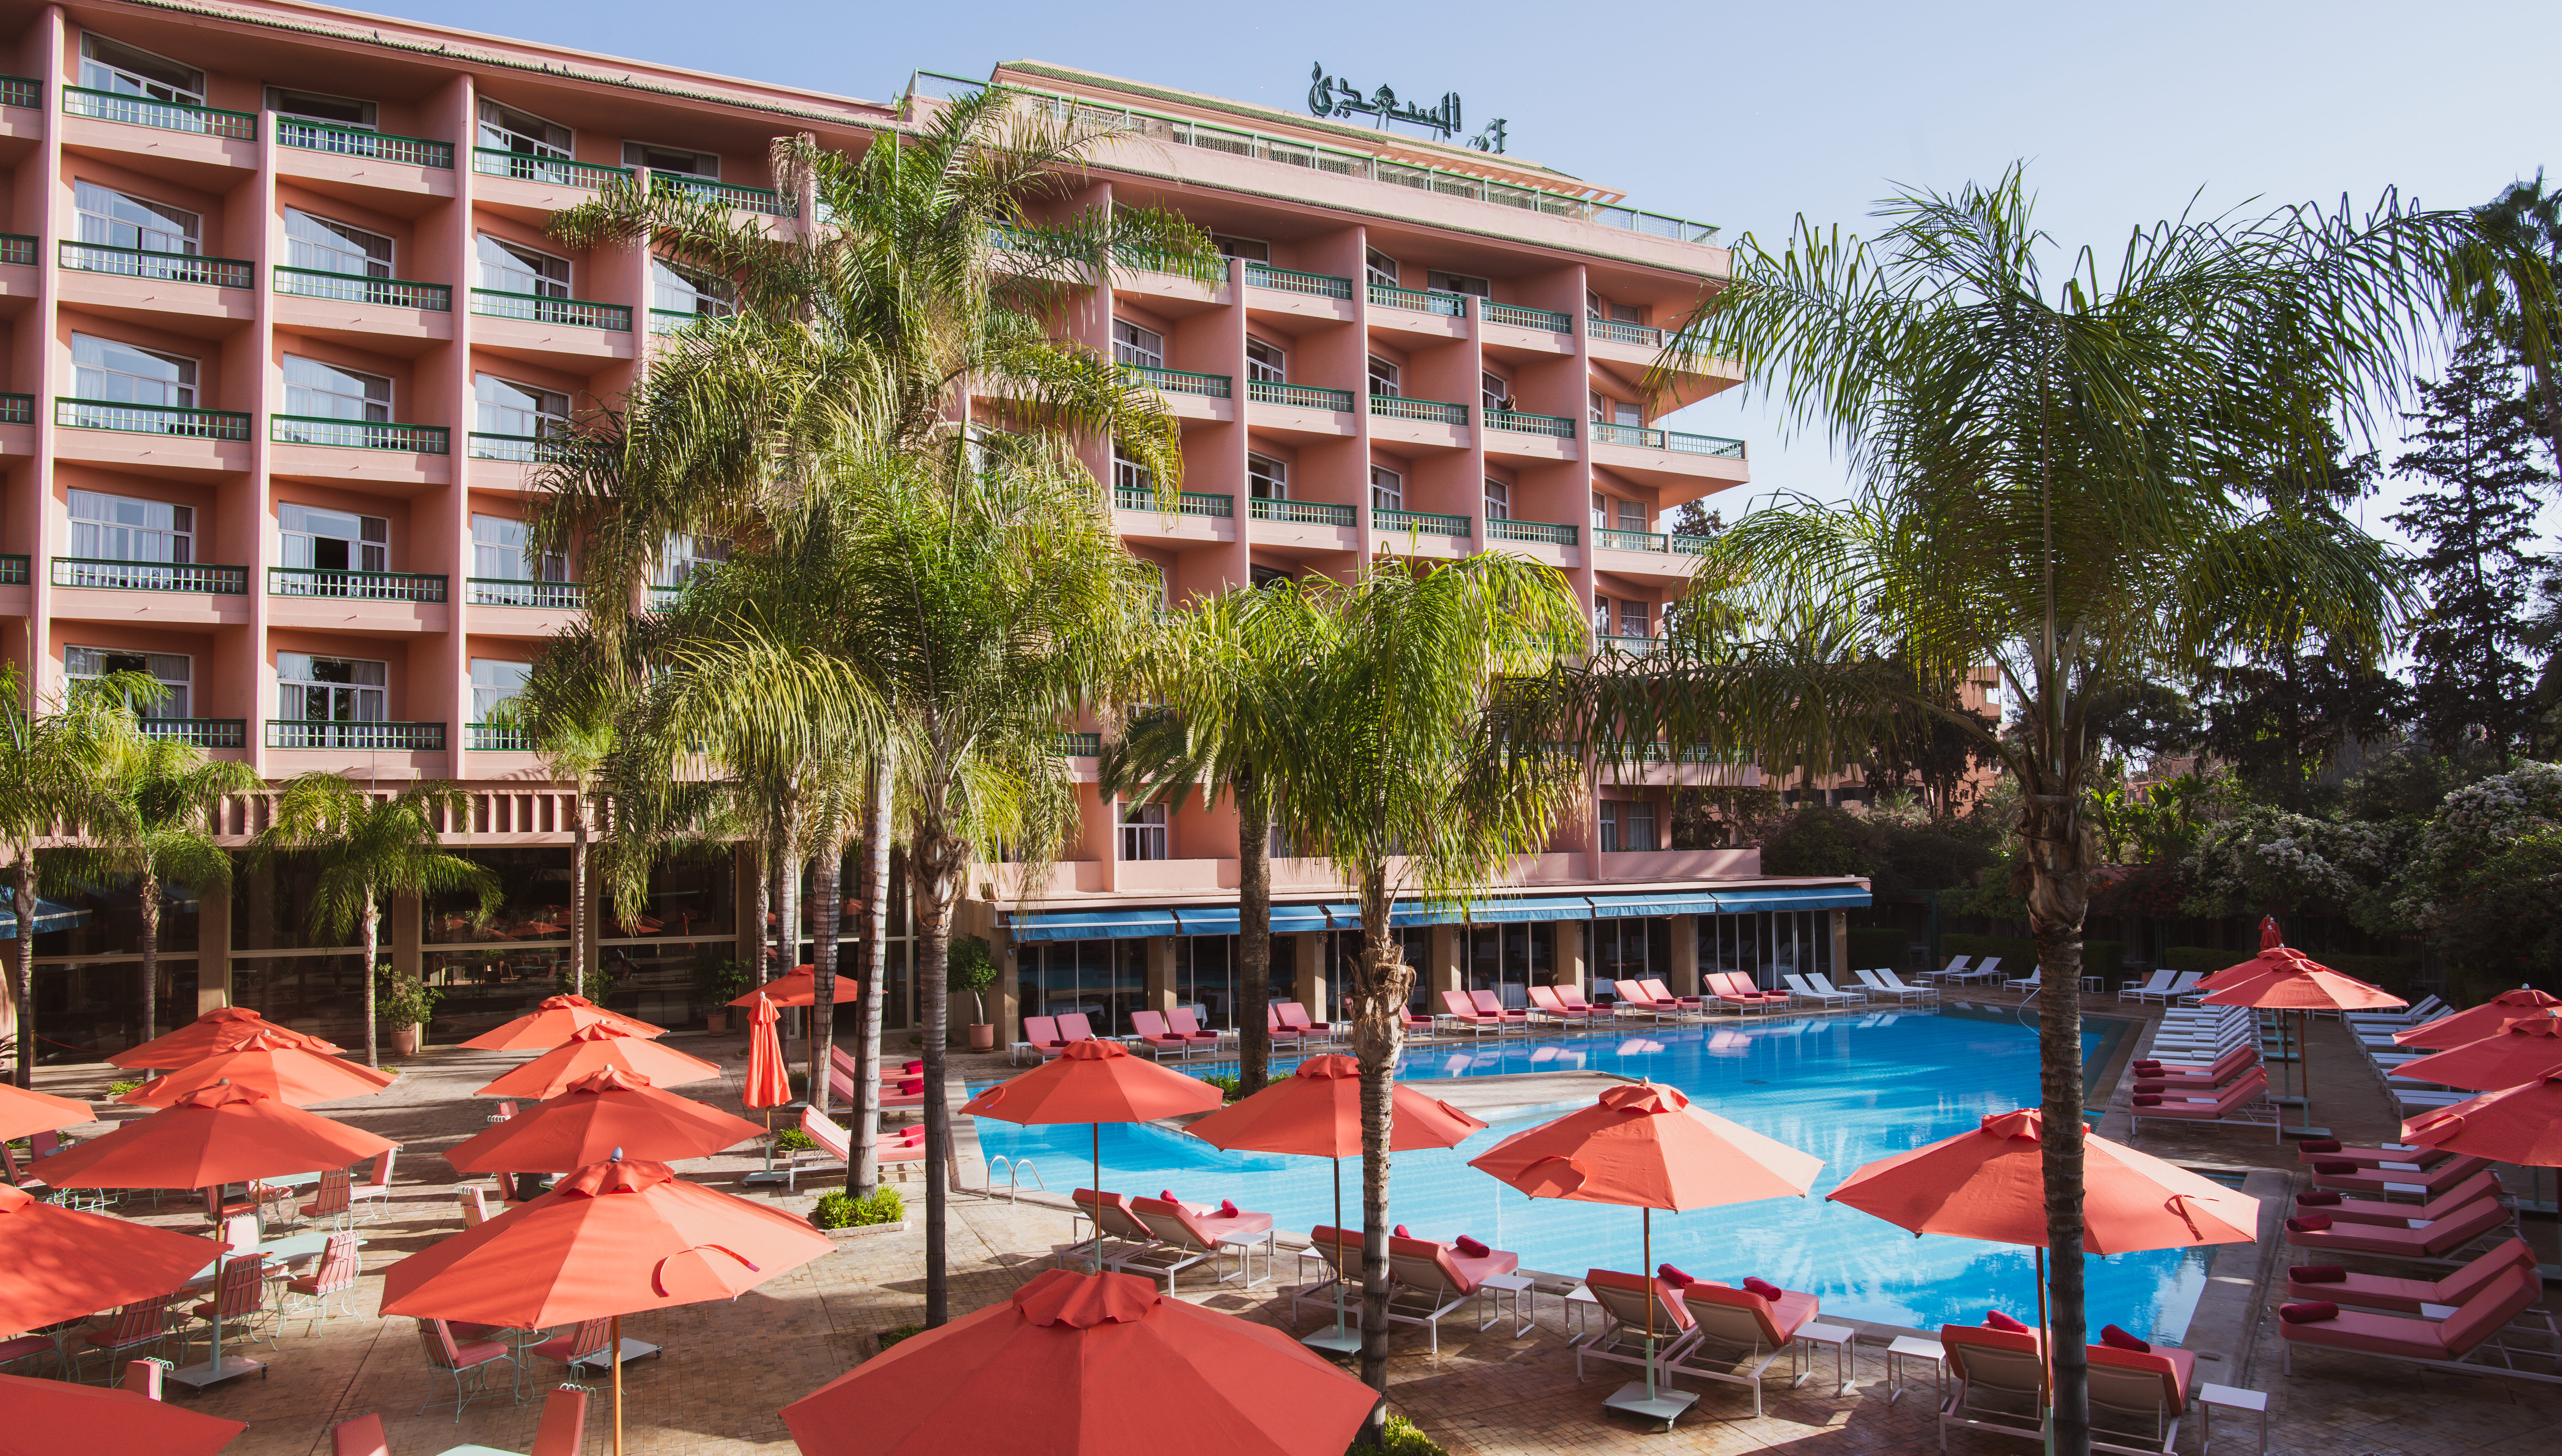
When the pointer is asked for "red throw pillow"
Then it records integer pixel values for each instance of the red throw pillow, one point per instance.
(1996, 1320)
(911, 1086)
(2318, 1198)
(1764, 1288)
(1401, 1233)
(2333, 1167)
(1227, 1207)
(2312, 1312)
(2148, 1066)
(2310, 1224)
(1674, 1277)
(2318, 1145)
(2116, 1339)
(1167, 1196)
(2152, 1086)
(2318, 1274)
(914, 1066)
(1469, 1246)
(2147, 1099)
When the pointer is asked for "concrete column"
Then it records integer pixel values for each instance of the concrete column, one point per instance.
(1685, 967)
(1841, 947)
(1006, 995)
(1444, 970)
(1309, 981)
(595, 914)
(1161, 973)
(403, 935)
(1569, 952)
(213, 951)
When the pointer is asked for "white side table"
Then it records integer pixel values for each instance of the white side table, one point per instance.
(2212, 1399)
(1913, 1346)
(1579, 1305)
(1839, 1337)
(1525, 1297)
(1015, 1053)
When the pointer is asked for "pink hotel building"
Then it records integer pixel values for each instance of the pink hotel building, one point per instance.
(282, 325)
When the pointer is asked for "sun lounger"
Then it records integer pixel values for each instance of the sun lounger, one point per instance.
(1740, 1333)
(1181, 1022)
(1185, 1236)
(1955, 970)
(2415, 1183)
(1803, 990)
(1456, 1007)
(2216, 1074)
(1157, 1036)
(1117, 1229)
(1572, 996)
(1545, 1002)
(1634, 1000)
(2243, 1104)
(2385, 1154)
(2345, 1209)
(1996, 1381)
(2479, 1339)
(1625, 1298)
(2138, 1397)
(1491, 1004)
(2407, 1296)
(2151, 988)
(1884, 982)
(2428, 1009)
(1735, 989)
(1341, 1249)
(1295, 1016)
(1824, 983)
(1434, 1278)
(1654, 987)
(2440, 1238)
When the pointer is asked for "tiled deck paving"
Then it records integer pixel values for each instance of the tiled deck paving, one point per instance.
(728, 1368)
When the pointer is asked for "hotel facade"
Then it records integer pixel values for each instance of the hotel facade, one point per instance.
(284, 327)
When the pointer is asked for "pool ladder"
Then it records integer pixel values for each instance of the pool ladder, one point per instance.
(1014, 1170)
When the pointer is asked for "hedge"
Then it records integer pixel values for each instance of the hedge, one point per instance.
(2018, 953)
(1876, 946)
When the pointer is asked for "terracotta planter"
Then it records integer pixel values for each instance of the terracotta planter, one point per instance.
(983, 1036)
(405, 1039)
(717, 1022)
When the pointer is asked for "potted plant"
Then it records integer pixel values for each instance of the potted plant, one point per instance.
(717, 978)
(974, 969)
(404, 1002)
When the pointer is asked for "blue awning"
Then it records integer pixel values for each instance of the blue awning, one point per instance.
(1310, 918)
(1095, 925)
(1793, 897)
(1668, 902)
(50, 917)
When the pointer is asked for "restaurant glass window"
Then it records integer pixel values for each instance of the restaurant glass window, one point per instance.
(1205, 977)
(1102, 980)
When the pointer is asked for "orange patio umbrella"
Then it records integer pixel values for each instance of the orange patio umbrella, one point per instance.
(552, 1020)
(49, 1417)
(2520, 1125)
(2526, 1049)
(2473, 1023)
(591, 1049)
(1646, 1145)
(215, 1030)
(276, 1066)
(63, 1264)
(1088, 1364)
(23, 1112)
(1314, 1111)
(599, 1114)
(769, 1083)
(798, 987)
(611, 1238)
(2302, 986)
(1094, 1082)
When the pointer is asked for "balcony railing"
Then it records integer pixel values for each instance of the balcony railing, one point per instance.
(196, 732)
(354, 586)
(1420, 522)
(21, 91)
(18, 248)
(554, 171)
(172, 268)
(1080, 745)
(1634, 646)
(662, 597)
(13, 569)
(1544, 533)
(17, 409)
(312, 283)
(1431, 412)
(511, 592)
(1290, 280)
(1182, 381)
(1671, 439)
(1448, 306)
(1690, 545)
(1619, 332)
(752, 199)
(151, 419)
(497, 738)
(80, 101)
(1188, 503)
(1300, 512)
(356, 141)
(1628, 540)
(1555, 425)
(669, 320)
(1298, 396)
(357, 434)
(362, 737)
(524, 449)
(543, 308)
(150, 576)
(1520, 318)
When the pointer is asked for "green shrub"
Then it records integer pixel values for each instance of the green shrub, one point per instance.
(1872, 947)
(1405, 1438)
(1228, 1087)
(118, 1089)
(793, 1139)
(840, 1210)
(887, 1337)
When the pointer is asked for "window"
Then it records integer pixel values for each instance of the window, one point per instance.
(315, 106)
(1248, 247)
(1601, 307)
(679, 160)
(1632, 517)
(499, 553)
(325, 246)
(104, 369)
(1634, 619)
(1601, 614)
(504, 128)
(1627, 825)
(170, 670)
(113, 66)
(1266, 362)
(1267, 478)
(332, 393)
(121, 528)
(1384, 377)
(509, 408)
(494, 683)
(1447, 283)
(677, 287)
(1600, 511)
(1383, 269)
(1260, 577)
(1143, 832)
(1386, 489)
(1132, 344)
(1499, 501)
(120, 220)
(331, 689)
(511, 268)
(1494, 391)
(1624, 413)
(333, 540)
(1129, 477)
(680, 556)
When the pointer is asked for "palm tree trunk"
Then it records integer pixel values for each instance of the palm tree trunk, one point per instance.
(827, 904)
(147, 902)
(936, 859)
(1253, 932)
(1383, 980)
(578, 942)
(862, 1172)
(764, 909)
(23, 893)
(2057, 838)
(373, 937)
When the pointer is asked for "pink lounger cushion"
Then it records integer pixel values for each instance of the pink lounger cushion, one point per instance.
(2404, 1338)
(2430, 1180)
(2384, 1292)
(1461, 1272)
(2438, 1238)
(2177, 1368)
(2345, 1209)
(1779, 1319)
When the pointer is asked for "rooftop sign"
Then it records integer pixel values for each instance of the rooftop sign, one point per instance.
(1333, 95)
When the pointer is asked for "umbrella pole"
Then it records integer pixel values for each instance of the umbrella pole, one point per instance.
(616, 1334)
(2046, 1352)
(1338, 1248)
(1097, 1130)
(1647, 1243)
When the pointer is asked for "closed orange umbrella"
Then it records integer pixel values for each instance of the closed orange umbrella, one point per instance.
(215, 1030)
(1088, 1364)
(2302, 986)
(49, 1417)
(600, 1113)
(2527, 1049)
(2476, 1022)
(592, 1050)
(555, 1019)
(798, 987)
(273, 1065)
(768, 1083)
(1094, 1082)
(23, 1112)
(63, 1264)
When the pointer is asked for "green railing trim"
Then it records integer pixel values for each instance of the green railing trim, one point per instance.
(1299, 396)
(1555, 425)
(615, 317)
(1525, 317)
(1187, 502)
(748, 199)
(418, 151)
(331, 733)
(1419, 300)
(1184, 381)
(1300, 512)
(196, 732)
(669, 320)
(1291, 281)
(1620, 332)
(1431, 411)
(223, 424)
(1544, 533)
(18, 248)
(17, 409)
(222, 272)
(1080, 745)
(194, 576)
(359, 586)
(376, 434)
(1617, 540)
(1639, 647)
(497, 738)
(80, 101)
(22, 90)
(1706, 444)
(13, 569)
(490, 161)
(519, 592)
(1682, 545)
(1421, 522)
(317, 282)
(523, 450)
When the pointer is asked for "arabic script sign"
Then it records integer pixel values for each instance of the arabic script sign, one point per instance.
(1333, 95)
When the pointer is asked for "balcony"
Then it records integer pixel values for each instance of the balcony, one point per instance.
(1189, 502)
(354, 586)
(169, 268)
(523, 450)
(1537, 533)
(1080, 745)
(512, 592)
(1182, 381)
(150, 576)
(1429, 411)
(1447, 306)
(1421, 523)
(1671, 439)
(1300, 512)
(360, 737)
(356, 141)
(497, 738)
(1633, 647)
(1554, 427)
(17, 409)
(1618, 331)
(541, 308)
(750, 199)
(18, 248)
(1520, 318)
(339, 287)
(151, 420)
(80, 101)
(196, 732)
(550, 171)
(13, 569)
(357, 434)
(1654, 541)
(21, 91)
(1290, 280)
(669, 320)
(1298, 396)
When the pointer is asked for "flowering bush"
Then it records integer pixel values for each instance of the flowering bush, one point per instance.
(2483, 840)
(2266, 858)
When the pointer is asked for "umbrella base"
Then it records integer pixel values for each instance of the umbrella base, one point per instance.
(2306, 1131)
(762, 1177)
(1347, 1343)
(198, 1376)
(1663, 1405)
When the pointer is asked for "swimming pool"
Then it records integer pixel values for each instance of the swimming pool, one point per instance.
(1848, 1089)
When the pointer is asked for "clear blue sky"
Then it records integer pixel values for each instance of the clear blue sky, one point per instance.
(1747, 115)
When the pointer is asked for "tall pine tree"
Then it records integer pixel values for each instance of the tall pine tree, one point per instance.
(2478, 450)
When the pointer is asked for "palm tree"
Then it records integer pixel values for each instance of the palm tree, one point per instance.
(367, 847)
(52, 774)
(2061, 476)
(1406, 773)
(573, 730)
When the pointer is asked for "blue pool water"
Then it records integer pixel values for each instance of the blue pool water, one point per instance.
(1848, 1089)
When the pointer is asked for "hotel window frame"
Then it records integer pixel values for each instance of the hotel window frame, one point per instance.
(179, 692)
(1381, 270)
(681, 554)
(482, 706)
(1137, 345)
(152, 88)
(496, 128)
(681, 287)
(1271, 366)
(179, 394)
(179, 532)
(370, 700)
(1499, 499)
(638, 154)
(343, 242)
(1144, 828)
(1388, 496)
(1450, 282)
(285, 101)
(1266, 479)
(298, 539)
(501, 554)
(1261, 252)
(1494, 392)
(106, 228)
(320, 392)
(1386, 378)
(517, 260)
(490, 414)
(1129, 474)
(1628, 826)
